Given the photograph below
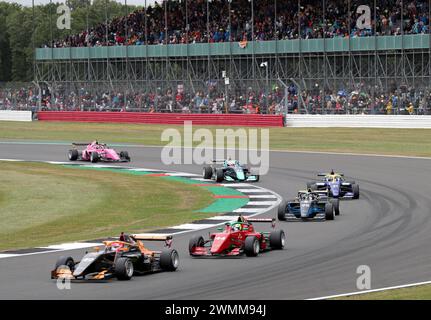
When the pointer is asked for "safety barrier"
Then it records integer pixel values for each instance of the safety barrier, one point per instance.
(9, 115)
(359, 121)
(247, 120)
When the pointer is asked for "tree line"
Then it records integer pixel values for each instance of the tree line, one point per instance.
(23, 28)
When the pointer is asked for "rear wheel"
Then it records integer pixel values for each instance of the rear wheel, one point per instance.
(251, 246)
(169, 260)
(208, 172)
(336, 204)
(124, 269)
(282, 210)
(73, 155)
(277, 239)
(355, 190)
(219, 175)
(65, 261)
(196, 241)
(329, 211)
(94, 157)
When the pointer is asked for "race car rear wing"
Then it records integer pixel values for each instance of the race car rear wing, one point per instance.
(154, 237)
(80, 144)
(218, 161)
(272, 221)
(151, 237)
(326, 174)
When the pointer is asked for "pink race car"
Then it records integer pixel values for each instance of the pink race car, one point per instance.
(95, 152)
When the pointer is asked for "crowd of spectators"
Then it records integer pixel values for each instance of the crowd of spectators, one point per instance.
(169, 23)
(402, 100)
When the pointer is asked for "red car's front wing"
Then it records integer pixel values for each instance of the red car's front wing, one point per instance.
(206, 252)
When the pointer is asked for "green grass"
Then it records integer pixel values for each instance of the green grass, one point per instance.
(412, 293)
(413, 142)
(42, 204)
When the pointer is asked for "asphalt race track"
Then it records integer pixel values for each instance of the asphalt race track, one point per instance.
(388, 229)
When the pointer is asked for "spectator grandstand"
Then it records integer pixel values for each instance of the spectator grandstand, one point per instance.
(240, 56)
(171, 22)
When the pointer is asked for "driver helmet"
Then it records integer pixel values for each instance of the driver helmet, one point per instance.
(237, 227)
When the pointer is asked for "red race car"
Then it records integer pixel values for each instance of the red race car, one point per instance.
(236, 238)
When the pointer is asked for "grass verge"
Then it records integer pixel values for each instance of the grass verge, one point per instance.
(412, 293)
(411, 142)
(42, 204)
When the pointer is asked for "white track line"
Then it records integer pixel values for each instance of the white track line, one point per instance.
(260, 196)
(72, 246)
(192, 226)
(246, 191)
(371, 291)
(6, 255)
(226, 218)
(261, 203)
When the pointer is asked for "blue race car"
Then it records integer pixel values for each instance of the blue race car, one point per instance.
(336, 184)
(230, 170)
(309, 205)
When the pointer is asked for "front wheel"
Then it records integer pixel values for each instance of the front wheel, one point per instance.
(125, 156)
(73, 155)
(169, 260)
(196, 241)
(355, 190)
(208, 172)
(124, 269)
(251, 246)
(282, 211)
(336, 204)
(65, 261)
(94, 157)
(219, 175)
(329, 211)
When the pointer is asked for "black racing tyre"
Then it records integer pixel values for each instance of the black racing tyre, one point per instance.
(277, 239)
(312, 186)
(336, 204)
(251, 246)
(73, 155)
(355, 190)
(208, 172)
(329, 211)
(219, 175)
(94, 157)
(125, 155)
(124, 268)
(169, 260)
(196, 241)
(65, 261)
(282, 208)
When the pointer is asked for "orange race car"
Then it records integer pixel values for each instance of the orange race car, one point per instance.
(119, 259)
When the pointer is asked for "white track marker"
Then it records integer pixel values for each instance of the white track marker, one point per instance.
(72, 246)
(192, 226)
(371, 291)
(261, 203)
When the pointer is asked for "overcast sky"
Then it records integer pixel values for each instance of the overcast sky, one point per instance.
(28, 2)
